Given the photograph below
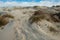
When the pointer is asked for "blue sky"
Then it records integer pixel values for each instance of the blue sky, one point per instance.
(29, 0)
(49, 3)
(21, 0)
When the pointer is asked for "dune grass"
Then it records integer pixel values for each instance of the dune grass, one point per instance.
(36, 18)
(52, 29)
(8, 15)
(4, 19)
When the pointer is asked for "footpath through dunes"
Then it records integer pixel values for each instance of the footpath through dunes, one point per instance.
(29, 24)
(27, 31)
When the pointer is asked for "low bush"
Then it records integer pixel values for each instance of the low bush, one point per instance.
(3, 21)
(51, 29)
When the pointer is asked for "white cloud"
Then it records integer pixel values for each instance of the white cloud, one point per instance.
(41, 3)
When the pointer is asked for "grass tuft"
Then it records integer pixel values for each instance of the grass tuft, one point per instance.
(8, 15)
(51, 29)
(4, 19)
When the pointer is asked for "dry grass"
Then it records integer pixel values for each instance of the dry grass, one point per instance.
(8, 15)
(52, 29)
(49, 17)
(4, 19)
(36, 18)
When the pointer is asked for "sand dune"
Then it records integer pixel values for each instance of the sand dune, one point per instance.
(28, 25)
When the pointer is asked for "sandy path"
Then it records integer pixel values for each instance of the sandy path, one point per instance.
(26, 31)
(8, 32)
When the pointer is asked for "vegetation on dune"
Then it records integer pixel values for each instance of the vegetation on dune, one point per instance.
(39, 15)
(56, 17)
(35, 6)
(52, 29)
(8, 15)
(4, 19)
(36, 17)
(56, 6)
